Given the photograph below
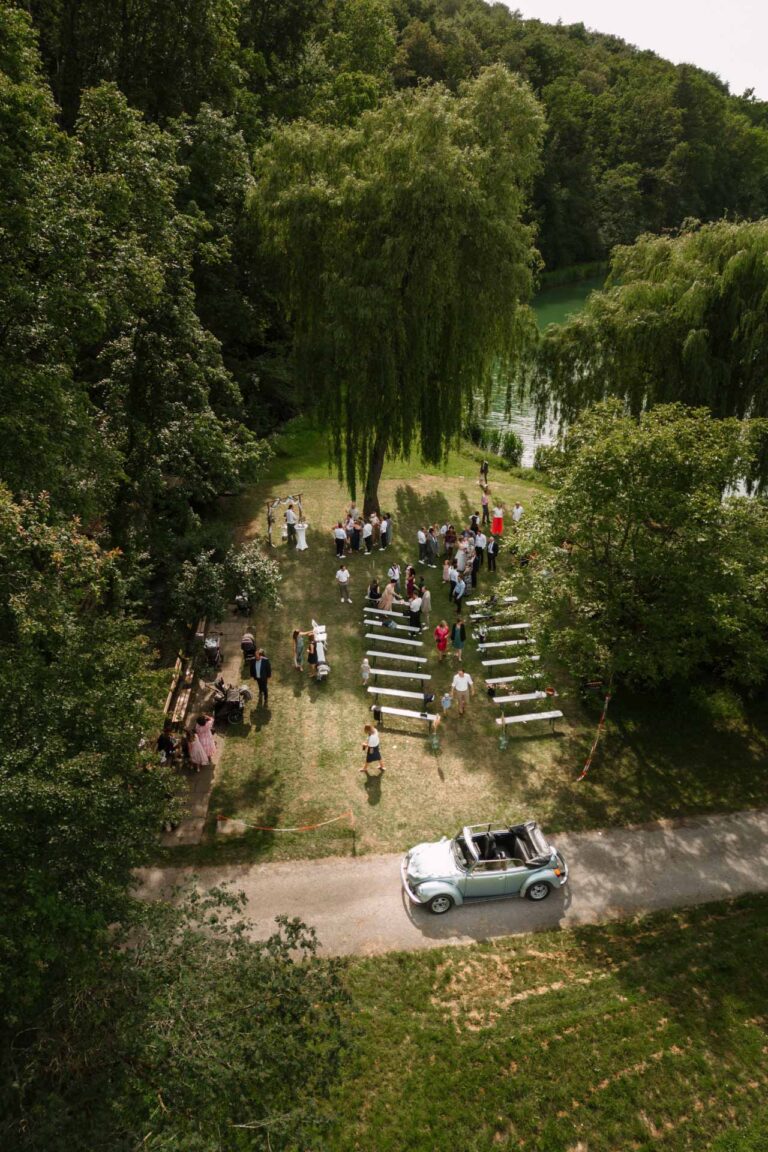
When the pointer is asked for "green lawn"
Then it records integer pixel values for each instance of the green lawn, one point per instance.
(298, 763)
(636, 1036)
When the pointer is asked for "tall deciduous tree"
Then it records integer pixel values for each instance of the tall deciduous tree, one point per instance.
(640, 568)
(405, 259)
(682, 318)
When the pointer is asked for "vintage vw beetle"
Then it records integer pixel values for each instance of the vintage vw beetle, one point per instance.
(483, 862)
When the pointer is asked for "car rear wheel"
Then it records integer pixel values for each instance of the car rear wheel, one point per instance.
(538, 891)
(440, 904)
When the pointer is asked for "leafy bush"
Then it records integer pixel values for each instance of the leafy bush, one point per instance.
(511, 448)
(492, 440)
(199, 590)
(251, 571)
(474, 432)
(545, 457)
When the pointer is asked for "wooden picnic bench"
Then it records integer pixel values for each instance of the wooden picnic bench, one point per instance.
(393, 627)
(401, 675)
(380, 711)
(397, 656)
(403, 692)
(529, 716)
(508, 660)
(394, 640)
(521, 697)
(181, 705)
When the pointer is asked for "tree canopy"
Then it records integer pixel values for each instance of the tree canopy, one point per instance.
(405, 260)
(643, 567)
(681, 318)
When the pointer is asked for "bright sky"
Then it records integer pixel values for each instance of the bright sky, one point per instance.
(730, 38)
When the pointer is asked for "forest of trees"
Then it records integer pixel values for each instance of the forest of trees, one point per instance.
(215, 214)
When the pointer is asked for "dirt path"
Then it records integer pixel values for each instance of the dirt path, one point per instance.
(358, 908)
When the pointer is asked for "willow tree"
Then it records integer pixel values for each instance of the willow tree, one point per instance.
(681, 318)
(404, 261)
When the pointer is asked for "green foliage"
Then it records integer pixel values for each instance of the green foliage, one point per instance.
(511, 448)
(642, 568)
(214, 1041)
(681, 318)
(397, 315)
(251, 570)
(81, 799)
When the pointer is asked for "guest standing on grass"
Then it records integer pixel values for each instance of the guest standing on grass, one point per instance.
(198, 757)
(485, 502)
(261, 670)
(365, 671)
(312, 658)
(342, 579)
(433, 547)
(388, 597)
(450, 541)
(497, 524)
(394, 575)
(410, 580)
(384, 531)
(372, 749)
(484, 473)
(453, 578)
(461, 689)
(376, 526)
(421, 540)
(356, 534)
(481, 543)
(517, 512)
(458, 595)
(290, 522)
(475, 567)
(414, 611)
(442, 632)
(298, 649)
(426, 605)
(493, 551)
(340, 536)
(367, 536)
(458, 638)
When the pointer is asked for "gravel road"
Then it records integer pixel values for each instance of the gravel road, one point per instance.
(358, 908)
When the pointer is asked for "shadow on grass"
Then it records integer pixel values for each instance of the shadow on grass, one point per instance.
(430, 508)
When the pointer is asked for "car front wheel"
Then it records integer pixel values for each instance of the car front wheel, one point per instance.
(538, 891)
(440, 904)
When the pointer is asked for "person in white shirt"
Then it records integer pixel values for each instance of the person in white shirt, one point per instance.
(384, 532)
(414, 611)
(461, 689)
(421, 537)
(394, 576)
(342, 579)
(372, 749)
(426, 605)
(481, 541)
(367, 535)
(517, 512)
(291, 520)
(340, 537)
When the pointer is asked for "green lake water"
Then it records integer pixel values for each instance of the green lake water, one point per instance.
(552, 306)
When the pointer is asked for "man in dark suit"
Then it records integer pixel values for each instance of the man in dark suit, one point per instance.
(261, 670)
(492, 551)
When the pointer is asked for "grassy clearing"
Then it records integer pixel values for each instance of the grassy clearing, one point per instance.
(297, 762)
(643, 1035)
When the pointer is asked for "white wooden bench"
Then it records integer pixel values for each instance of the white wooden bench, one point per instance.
(392, 627)
(422, 676)
(483, 603)
(488, 615)
(529, 716)
(385, 612)
(494, 680)
(521, 697)
(509, 660)
(397, 656)
(504, 644)
(381, 711)
(504, 627)
(402, 692)
(382, 639)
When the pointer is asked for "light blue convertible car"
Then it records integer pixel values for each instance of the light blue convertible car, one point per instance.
(483, 863)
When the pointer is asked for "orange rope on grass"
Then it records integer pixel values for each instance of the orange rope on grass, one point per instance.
(301, 828)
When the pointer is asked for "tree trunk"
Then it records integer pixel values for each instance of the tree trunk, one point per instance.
(375, 468)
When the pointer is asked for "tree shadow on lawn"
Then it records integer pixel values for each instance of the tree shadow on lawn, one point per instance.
(659, 758)
(424, 510)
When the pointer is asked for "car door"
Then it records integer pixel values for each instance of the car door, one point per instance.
(485, 878)
(515, 875)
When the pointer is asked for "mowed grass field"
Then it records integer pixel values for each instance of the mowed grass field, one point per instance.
(297, 762)
(645, 1035)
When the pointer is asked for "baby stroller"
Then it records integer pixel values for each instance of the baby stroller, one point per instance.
(212, 649)
(229, 702)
